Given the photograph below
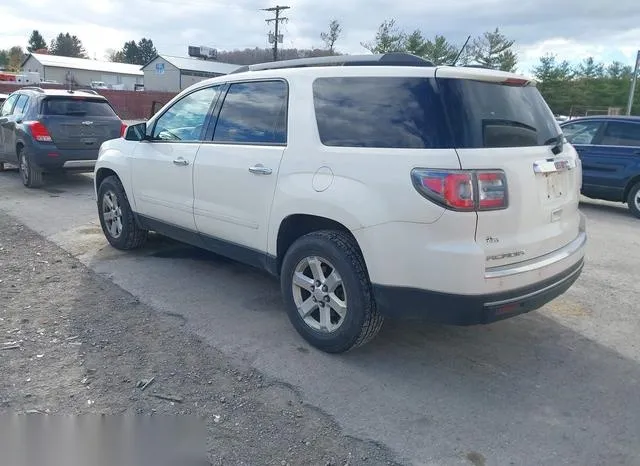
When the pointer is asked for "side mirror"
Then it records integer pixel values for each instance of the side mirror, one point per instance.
(136, 132)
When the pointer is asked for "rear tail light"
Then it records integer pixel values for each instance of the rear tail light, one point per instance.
(492, 190)
(463, 190)
(123, 129)
(39, 131)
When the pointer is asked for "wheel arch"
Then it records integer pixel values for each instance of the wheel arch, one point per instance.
(632, 182)
(295, 226)
(102, 173)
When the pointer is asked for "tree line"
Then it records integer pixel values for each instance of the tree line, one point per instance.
(568, 88)
(588, 86)
(68, 45)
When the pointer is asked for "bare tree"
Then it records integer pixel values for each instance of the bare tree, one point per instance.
(332, 35)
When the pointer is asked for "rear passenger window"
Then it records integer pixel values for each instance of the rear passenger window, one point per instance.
(379, 112)
(21, 105)
(254, 113)
(621, 134)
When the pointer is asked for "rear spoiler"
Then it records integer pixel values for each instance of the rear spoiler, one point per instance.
(478, 73)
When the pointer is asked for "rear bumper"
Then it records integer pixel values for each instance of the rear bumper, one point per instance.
(50, 158)
(452, 309)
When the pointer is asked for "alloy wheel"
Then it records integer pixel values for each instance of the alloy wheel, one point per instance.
(24, 168)
(319, 294)
(112, 214)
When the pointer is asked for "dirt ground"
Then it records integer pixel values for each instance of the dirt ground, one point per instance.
(71, 342)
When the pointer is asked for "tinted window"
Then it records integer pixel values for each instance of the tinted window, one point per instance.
(379, 112)
(8, 105)
(619, 133)
(21, 105)
(184, 120)
(484, 114)
(581, 132)
(77, 106)
(254, 113)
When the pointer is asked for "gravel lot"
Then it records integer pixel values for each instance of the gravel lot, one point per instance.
(71, 342)
(558, 386)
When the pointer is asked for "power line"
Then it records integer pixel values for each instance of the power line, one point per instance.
(276, 20)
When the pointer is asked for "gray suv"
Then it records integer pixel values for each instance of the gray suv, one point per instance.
(51, 130)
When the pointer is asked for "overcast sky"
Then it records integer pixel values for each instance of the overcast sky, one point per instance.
(573, 29)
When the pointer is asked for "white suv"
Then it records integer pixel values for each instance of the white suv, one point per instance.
(373, 186)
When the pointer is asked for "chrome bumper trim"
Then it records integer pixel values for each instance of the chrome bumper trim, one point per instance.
(79, 164)
(539, 262)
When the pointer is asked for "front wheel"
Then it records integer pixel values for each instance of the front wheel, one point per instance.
(633, 201)
(116, 217)
(327, 292)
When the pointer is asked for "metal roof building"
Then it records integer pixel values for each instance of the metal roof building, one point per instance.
(173, 74)
(82, 71)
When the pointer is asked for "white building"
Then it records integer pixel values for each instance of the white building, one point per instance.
(82, 71)
(173, 74)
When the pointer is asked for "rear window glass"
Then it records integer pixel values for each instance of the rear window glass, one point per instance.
(76, 107)
(379, 112)
(485, 115)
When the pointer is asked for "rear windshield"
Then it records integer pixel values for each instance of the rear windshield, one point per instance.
(65, 106)
(422, 113)
(483, 114)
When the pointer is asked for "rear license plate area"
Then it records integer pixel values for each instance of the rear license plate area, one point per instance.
(556, 185)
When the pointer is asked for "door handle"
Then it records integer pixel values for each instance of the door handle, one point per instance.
(260, 169)
(180, 161)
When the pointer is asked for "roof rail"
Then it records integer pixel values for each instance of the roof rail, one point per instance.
(33, 88)
(88, 91)
(383, 59)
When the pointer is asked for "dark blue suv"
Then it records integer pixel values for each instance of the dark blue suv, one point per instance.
(609, 148)
(49, 130)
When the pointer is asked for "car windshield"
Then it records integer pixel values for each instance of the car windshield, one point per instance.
(77, 106)
(485, 114)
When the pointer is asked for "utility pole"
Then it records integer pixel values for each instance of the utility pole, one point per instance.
(633, 84)
(277, 20)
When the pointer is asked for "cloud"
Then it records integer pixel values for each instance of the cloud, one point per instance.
(570, 28)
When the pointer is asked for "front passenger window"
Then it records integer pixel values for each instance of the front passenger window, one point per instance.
(581, 132)
(8, 105)
(184, 121)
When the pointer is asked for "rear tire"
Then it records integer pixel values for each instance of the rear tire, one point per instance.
(116, 217)
(633, 200)
(327, 292)
(31, 175)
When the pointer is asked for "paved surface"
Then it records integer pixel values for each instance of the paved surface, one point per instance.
(559, 386)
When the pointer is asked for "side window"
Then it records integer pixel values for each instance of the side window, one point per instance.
(379, 112)
(8, 105)
(21, 105)
(254, 113)
(184, 120)
(618, 133)
(581, 132)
